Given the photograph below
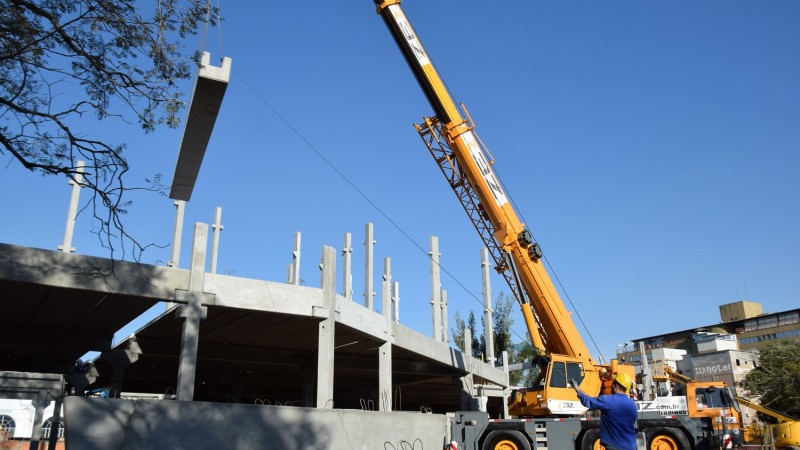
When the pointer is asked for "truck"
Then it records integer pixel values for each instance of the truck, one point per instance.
(548, 414)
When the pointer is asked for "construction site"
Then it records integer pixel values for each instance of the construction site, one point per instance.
(241, 362)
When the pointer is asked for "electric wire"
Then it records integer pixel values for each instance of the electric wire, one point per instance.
(352, 185)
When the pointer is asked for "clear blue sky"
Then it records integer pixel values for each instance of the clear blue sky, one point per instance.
(652, 147)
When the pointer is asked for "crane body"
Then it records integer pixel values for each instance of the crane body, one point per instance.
(552, 417)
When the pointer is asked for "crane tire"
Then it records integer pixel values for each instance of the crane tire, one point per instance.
(506, 440)
(666, 439)
(591, 440)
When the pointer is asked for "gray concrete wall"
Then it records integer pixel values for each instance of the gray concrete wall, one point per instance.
(99, 423)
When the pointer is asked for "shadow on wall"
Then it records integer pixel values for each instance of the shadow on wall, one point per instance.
(96, 423)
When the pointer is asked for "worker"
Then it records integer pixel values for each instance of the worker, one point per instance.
(617, 414)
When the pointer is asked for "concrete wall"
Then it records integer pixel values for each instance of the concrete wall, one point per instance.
(99, 423)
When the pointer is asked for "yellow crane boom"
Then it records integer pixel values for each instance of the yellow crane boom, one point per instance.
(467, 165)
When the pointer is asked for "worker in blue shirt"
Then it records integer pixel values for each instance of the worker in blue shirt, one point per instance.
(617, 414)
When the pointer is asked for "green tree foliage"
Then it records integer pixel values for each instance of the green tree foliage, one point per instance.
(776, 380)
(65, 62)
(502, 322)
(459, 334)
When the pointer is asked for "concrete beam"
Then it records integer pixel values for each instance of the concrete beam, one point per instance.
(209, 89)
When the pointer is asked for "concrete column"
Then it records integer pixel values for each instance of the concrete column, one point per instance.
(347, 270)
(369, 244)
(436, 286)
(386, 289)
(648, 387)
(468, 402)
(467, 344)
(217, 229)
(385, 349)
(72, 211)
(294, 267)
(52, 441)
(396, 300)
(488, 324)
(39, 403)
(445, 331)
(192, 313)
(467, 397)
(327, 331)
(508, 383)
(174, 260)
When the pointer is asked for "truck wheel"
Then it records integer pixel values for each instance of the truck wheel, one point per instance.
(667, 439)
(591, 440)
(506, 440)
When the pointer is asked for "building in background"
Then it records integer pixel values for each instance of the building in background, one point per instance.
(724, 351)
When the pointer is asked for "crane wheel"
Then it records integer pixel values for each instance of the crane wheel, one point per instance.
(666, 439)
(591, 440)
(506, 440)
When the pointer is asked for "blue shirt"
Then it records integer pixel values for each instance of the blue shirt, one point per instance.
(617, 419)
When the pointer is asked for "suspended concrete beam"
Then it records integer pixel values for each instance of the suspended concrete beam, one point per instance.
(209, 89)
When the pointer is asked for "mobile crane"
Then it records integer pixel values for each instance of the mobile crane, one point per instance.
(556, 422)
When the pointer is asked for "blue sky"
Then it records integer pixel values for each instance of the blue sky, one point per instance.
(652, 148)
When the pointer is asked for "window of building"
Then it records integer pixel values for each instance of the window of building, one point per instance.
(788, 319)
(7, 424)
(47, 426)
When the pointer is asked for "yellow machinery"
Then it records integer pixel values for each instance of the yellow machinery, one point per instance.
(553, 413)
(467, 165)
(784, 434)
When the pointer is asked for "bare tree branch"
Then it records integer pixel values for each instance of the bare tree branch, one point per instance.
(62, 60)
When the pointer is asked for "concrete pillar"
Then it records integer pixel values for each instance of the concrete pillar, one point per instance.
(386, 289)
(294, 267)
(52, 440)
(192, 313)
(396, 300)
(39, 403)
(385, 349)
(445, 331)
(467, 343)
(508, 383)
(465, 386)
(436, 286)
(217, 229)
(327, 331)
(72, 211)
(369, 244)
(174, 260)
(347, 270)
(488, 324)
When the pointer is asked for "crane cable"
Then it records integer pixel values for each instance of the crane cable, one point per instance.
(204, 34)
(555, 276)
